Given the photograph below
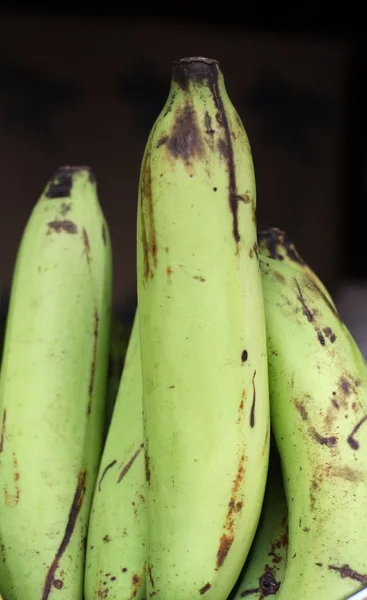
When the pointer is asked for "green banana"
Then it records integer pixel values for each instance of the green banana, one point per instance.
(116, 547)
(203, 340)
(119, 339)
(52, 389)
(264, 568)
(318, 400)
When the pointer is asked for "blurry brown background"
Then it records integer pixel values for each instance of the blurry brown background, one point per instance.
(86, 88)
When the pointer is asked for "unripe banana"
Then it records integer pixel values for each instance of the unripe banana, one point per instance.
(116, 548)
(263, 571)
(203, 340)
(119, 339)
(52, 390)
(318, 392)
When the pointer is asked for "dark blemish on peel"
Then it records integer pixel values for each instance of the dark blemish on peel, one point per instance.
(58, 584)
(279, 244)
(128, 464)
(149, 568)
(70, 526)
(106, 538)
(194, 71)
(301, 409)
(65, 208)
(63, 225)
(324, 441)
(235, 505)
(267, 582)
(163, 140)
(204, 589)
(346, 571)
(321, 338)
(244, 356)
(345, 386)
(185, 141)
(208, 124)
(104, 234)
(61, 184)
(104, 472)
(353, 443)
(147, 467)
(86, 244)
(306, 311)
(169, 273)
(252, 412)
(149, 241)
(3, 429)
(93, 363)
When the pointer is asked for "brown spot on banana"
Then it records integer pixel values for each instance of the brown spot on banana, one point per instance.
(3, 430)
(205, 589)
(235, 506)
(203, 71)
(62, 225)
(149, 241)
(86, 244)
(346, 571)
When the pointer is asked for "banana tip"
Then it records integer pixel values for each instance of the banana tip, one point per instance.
(61, 182)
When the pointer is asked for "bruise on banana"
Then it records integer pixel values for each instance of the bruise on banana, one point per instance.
(94, 361)
(329, 441)
(346, 571)
(61, 183)
(129, 463)
(268, 585)
(62, 225)
(148, 233)
(12, 497)
(74, 511)
(185, 139)
(234, 508)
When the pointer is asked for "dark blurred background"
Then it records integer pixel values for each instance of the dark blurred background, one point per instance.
(84, 86)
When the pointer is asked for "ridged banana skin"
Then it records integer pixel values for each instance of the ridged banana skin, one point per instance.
(116, 548)
(318, 399)
(263, 571)
(203, 340)
(52, 390)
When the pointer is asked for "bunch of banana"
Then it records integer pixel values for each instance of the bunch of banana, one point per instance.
(214, 449)
(318, 399)
(203, 340)
(264, 568)
(116, 545)
(52, 390)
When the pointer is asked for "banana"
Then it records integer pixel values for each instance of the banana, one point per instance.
(203, 340)
(318, 400)
(116, 547)
(119, 339)
(52, 389)
(263, 571)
